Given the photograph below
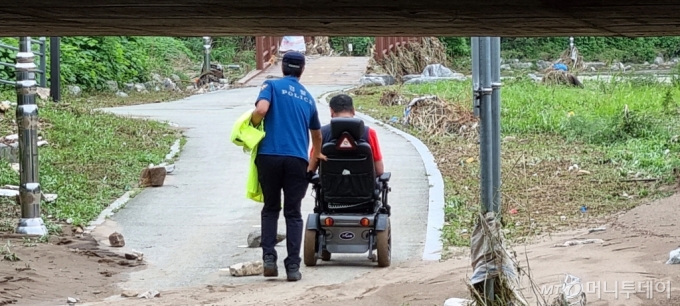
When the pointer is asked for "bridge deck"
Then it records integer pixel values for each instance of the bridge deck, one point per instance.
(321, 70)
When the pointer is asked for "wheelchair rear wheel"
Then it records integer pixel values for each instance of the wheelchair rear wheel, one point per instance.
(384, 246)
(310, 248)
(325, 255)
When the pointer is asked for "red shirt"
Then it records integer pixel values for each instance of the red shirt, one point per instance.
(372, 141)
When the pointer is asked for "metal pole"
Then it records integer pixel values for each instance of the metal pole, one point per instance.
(55, 74)
(30, 195)
(206, 54)
(485, 137)
(474, 46)
(485, 126)
(496, 122)
(43, 63)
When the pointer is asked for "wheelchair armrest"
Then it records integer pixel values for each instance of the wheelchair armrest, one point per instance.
(385, 177)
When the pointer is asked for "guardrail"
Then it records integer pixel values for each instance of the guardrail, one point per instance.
(42, 58)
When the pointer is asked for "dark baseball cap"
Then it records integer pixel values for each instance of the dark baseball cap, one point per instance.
(294, 59)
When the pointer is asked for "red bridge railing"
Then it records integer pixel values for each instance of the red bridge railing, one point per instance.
(385, 45)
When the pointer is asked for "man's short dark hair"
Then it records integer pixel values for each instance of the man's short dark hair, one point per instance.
(292, 64)
(341, 103)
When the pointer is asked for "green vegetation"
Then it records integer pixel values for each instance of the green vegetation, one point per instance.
(622, 135)
(92, 157)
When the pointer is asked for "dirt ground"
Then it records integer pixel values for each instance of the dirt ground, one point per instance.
(49, 273)
(634, 250)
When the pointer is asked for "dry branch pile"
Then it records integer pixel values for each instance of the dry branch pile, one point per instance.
(391, 97)
(319, 45)
(436, 117)
(559, 77)
(566, 58)
(411, 58)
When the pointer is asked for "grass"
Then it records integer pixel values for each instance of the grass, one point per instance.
(92, 157)
(617, 133)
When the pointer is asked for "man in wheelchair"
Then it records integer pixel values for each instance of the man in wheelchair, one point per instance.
(351, 213)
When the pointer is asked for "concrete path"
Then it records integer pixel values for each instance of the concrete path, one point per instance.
(198, 222)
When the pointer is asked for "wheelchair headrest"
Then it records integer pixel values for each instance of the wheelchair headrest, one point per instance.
(353, 126)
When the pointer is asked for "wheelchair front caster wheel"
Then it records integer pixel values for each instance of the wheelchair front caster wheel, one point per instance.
(384, 246)
(325, 255)
(309, 256)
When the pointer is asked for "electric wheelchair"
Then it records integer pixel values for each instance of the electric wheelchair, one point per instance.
(351, 212)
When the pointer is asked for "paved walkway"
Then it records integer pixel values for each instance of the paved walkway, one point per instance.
(198, 222)
(326, 70)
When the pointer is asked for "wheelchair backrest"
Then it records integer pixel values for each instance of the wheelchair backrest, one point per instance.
(348, 176)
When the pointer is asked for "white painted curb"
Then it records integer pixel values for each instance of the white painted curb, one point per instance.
(435, 215)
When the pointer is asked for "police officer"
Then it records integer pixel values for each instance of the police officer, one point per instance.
(289, 113)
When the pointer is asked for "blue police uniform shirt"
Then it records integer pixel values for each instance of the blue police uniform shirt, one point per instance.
(292, 113)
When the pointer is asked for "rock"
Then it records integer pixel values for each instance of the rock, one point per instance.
(255, 236)
(149, 294)
(437, 70)
(376, 80)
(224, 81)
(522, 65)
(674, 257)
(155, 77)
(175, 78)
(534, 77)
(153, 176)
(658, 60)
(653, 66)
(190, 88)
(79, 230)
(43, 93)
(69, 220)
(129, 86)
(71, 300)
(542, 65)
(408, 77)
(157, 88)
(15, 167)
(592, 69)
(112, 86)
(457, 302)
(9, 193)
(596, 65)
(169, 84)
(116, 240)
(247, 268)
(129, 293)
(121, 94)
(42, 143)
(505, 67)
(74, 90)
(422, 80)
(140, 87)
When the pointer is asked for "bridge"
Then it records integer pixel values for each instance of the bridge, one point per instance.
(521, 18)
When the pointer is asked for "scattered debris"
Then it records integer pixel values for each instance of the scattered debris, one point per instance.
(437, 117)
(5, 106)
(579, 242)
(376, 80)
(319, 45)
(71, 300)
(457, 302)
(434, 73)
(567, 294)
(117, 240)
(134, 255)
(129, 293)
(249, 268)
(43, 93)
(153, 176)
(49, 197)
(255, 237)
(597, 229)
(674, 257)
(149, 294)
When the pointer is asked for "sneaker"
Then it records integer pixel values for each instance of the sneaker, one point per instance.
(293, 272)
(270, 268)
